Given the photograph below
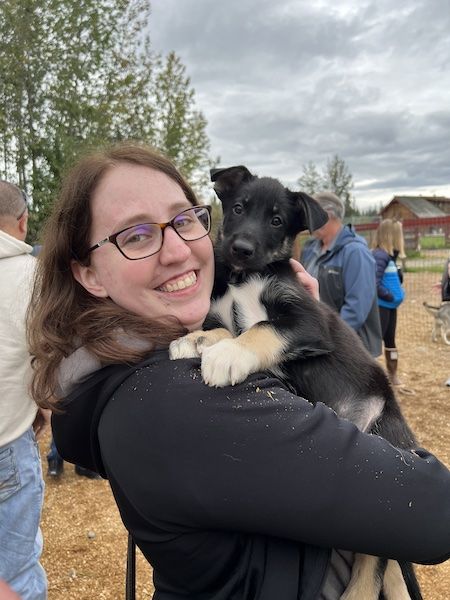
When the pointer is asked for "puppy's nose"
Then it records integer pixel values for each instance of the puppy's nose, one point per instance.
(242, 249)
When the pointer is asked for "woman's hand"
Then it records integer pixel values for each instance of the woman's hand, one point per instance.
(308, 281)
(41, 422)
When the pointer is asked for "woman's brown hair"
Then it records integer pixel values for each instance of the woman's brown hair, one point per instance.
(62, 314)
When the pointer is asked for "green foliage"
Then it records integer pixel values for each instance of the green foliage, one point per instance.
(311, 180)
(335, 177)
(76, 75)
(432, 242)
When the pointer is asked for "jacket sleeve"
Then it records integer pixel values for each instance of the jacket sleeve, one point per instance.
(359, 284)
(381, 262)
(256, 459)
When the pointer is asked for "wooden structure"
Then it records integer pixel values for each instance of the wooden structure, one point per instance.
(416, 207)
(420, 216)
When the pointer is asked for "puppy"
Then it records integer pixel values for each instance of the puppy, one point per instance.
(441, 325)
(261, 319)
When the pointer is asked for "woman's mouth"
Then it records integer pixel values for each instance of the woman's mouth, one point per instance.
(183, 282)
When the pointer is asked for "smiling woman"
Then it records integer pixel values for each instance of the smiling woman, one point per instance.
(232, 493)
(168, 290)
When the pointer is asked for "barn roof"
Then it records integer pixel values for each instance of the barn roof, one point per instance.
(423, 207)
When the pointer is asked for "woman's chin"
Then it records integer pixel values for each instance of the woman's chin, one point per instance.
(196, 325)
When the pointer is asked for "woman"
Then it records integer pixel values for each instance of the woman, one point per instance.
(389, 245)
(230, 493)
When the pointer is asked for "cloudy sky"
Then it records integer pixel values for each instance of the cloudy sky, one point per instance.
(285, 82)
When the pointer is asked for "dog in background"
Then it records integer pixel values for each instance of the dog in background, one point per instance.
(441, 325)
(262, 319)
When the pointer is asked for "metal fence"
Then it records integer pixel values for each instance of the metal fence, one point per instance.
(427, 244)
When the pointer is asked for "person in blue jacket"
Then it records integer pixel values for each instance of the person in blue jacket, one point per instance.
(342, 262)
(389, 291)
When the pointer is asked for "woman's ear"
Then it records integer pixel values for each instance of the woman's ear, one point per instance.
(87, 277)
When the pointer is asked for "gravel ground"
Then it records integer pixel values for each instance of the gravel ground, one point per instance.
(85, 543)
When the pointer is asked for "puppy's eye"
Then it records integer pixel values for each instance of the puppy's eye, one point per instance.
(276, 222)
(237, 209)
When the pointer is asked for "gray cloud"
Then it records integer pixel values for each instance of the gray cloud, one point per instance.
(285, 83)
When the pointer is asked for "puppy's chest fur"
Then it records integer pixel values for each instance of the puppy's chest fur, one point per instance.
(241, 306)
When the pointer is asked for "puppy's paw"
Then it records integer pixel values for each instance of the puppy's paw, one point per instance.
(228, 363)
(184, 347)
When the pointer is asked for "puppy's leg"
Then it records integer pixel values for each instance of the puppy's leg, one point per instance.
(446, 335)
(434, 333)
(394, 586)
(366, 579)
(230, 361)
(192, 344)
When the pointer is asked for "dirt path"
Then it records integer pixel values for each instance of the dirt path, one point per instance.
(85, 543)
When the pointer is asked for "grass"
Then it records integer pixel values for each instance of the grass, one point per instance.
(432, 242)
(424, 269)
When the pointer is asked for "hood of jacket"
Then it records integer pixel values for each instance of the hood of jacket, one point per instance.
(11, 246)
(347, 236)
(75, 425)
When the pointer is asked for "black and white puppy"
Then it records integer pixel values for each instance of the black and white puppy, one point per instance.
(262, 319)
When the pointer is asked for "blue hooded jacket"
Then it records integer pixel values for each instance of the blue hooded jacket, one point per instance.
(347, 283)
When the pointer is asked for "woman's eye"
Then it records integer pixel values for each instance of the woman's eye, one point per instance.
(184, 221)
(237, 209)
(139, 235)
(276, 221)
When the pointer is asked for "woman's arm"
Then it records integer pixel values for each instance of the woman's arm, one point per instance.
(381, 260)
(256, 459)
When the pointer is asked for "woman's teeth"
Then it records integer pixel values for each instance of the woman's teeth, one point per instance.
(180, 284)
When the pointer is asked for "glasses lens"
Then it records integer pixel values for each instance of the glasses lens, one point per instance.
(140, 241)
(193, 224)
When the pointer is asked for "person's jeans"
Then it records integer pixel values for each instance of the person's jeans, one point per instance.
(21, 496)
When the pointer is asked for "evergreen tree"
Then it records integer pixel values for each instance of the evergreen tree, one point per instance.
(335, 177)
(338, 179)
(80, 74)
(310, 180)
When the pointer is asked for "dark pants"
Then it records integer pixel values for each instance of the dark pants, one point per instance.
(388, 320)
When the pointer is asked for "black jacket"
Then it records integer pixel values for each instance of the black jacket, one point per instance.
(237, 493)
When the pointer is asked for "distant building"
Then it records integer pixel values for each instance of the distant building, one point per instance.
(416, 207)
(420, 215)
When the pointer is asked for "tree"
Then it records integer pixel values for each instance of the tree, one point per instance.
(338, 179)
(335, 177)
(80, 74)
(310, 180)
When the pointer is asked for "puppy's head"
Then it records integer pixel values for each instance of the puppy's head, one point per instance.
(261, 218)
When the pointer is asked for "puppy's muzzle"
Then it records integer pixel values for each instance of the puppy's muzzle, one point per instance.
(243, 250)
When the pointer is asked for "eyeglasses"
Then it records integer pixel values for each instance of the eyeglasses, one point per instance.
(26, 200)
(145, 239)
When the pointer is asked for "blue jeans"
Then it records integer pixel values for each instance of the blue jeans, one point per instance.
(21, 496)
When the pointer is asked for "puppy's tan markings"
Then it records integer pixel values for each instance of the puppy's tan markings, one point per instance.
(192, 344)
(230, 361)
(394, 586)
(363, 584)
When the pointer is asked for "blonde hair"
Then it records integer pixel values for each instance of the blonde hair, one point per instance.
(384, 237)
(62, 314)
(398, 239)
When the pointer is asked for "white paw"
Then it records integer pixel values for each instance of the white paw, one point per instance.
(227, 363)
(184, 347)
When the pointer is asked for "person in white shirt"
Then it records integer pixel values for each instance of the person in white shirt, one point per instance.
(21, 483)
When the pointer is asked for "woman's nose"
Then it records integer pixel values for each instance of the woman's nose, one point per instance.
(174, 249)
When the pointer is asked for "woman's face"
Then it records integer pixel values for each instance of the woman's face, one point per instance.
(175, 281)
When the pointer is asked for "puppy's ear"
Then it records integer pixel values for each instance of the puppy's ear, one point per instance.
(227, 181)
(311, 215)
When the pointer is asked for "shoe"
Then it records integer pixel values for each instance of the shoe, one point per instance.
(55, 467)
(83, 472)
